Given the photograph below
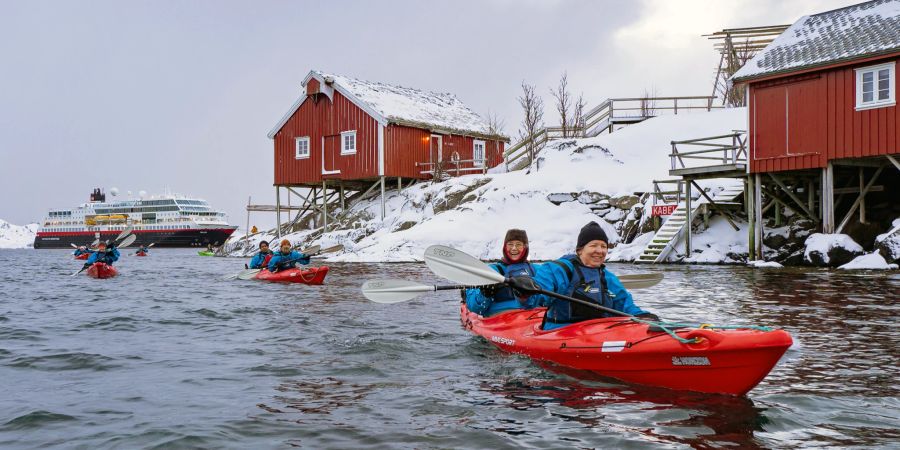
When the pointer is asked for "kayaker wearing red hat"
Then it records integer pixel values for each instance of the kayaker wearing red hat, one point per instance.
(585, 277)
(261, 259)
(494, 299)
(104, 255)
(286, 258)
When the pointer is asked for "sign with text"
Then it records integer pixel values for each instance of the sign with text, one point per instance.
(663, 210)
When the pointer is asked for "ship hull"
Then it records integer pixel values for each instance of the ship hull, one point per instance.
(162, 238)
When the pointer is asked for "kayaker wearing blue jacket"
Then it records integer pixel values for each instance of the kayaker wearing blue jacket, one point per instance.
(259, 259)
(286, 258)
(494, 299)
(585, 277)
(81, 250)
(104, 255)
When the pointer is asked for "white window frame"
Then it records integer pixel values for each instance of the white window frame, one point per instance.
(297, 142)
(344, 136)
(892, 86)
(479, 162)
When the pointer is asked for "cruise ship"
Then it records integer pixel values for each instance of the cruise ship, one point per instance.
(168, 221)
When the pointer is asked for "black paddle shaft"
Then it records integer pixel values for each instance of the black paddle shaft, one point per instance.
(528, 285)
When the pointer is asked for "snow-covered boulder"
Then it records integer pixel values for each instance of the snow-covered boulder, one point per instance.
(869, 261)
(888, 244)
(624, 201)
(832, 250)
(764, 264)
(17, 236)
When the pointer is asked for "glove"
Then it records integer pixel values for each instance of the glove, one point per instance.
(649, 316)
(490, 290)
(523, 285)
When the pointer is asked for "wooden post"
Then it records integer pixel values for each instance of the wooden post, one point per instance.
(690, 219)
(758, 229)
(826, 199)
(382, 199)
(777, 213)
(247, 236)
(862, 196)
(324, 206)
(811, 196)
(399, 185)
(341, 186)
(278, 211)
(289, 208)
(749, 196)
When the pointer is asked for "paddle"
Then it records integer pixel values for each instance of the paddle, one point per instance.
(128, 241)
(396, 291)
(311, 251)
(125, 232)
(460, 267)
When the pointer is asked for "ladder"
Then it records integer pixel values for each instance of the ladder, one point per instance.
(668, 236)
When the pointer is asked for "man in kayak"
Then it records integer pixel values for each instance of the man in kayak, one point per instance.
(494, 299)
(81, 250)
(103, 255)
(143, 249)
(286, 258)
(260, 259)
(584, 276)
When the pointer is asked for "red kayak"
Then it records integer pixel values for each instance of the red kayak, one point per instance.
(140, 254)
(311, 275)
(102, 270)
(724, 361)
(83, 256)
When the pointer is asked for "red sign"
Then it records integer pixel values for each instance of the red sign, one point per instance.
(663, 210)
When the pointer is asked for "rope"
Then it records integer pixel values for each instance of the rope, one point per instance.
(668, 327)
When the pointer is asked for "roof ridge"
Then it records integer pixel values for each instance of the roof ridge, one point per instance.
(855, 5)
(385, 84)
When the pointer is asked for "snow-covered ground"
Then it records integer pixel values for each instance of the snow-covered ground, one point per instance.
(17, 236)
(472, 213)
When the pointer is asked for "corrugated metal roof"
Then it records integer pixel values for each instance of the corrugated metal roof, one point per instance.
(844, 34)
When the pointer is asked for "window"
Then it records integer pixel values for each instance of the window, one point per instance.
(875, 86)
(478, 153)
(301, 148)
(348, 143)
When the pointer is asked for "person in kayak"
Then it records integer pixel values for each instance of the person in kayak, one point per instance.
(286, 258)
(81, 250)
(261, 259)
(584, 276)
(496, 298)
(104, 255)
(143, 249)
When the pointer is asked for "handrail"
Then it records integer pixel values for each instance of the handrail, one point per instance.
(606, 111)
(733, 153)
(439, 166)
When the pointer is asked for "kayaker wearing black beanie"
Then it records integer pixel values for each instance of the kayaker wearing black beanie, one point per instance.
(494, 299)
(585, 277)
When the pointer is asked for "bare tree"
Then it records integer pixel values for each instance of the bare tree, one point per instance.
(577, 115)
(533, 111)
(495, 123)
(648, 102)
(563, 103)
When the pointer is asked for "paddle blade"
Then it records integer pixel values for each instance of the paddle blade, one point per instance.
(640, 280)
(73, 245)
(125, 232)
(460, 267)
(310, 250)
(95, 243)
(151, 245)
(248, 274)
(332, 249)
(128, 241)
(393, 291)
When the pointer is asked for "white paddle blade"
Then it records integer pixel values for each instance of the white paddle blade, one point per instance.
(310, 250)
(393, 291)
(95, 243)
(151, 245)
(128, 241)
(640, 280)
(125, 232)
(460, 267)
(248, 274)
(73, 245)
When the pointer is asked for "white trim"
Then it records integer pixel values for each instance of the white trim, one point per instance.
(892, 86)
(326, 172)
(440, 146)
(297, 141)
(475, 144)
(344, 136)
(380, 150)
(287, 115)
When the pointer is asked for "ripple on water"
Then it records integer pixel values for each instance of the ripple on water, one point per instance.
(64, 361)
(118, 323)
(19, 334)
(36, 419)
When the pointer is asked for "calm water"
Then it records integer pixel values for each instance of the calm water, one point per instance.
(168, 355)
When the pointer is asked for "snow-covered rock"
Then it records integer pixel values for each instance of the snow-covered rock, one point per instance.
(717, 244)
(17, 236)
(888, 244)
(631, 251)
(764, 264)
(830, 249)
(868, 261)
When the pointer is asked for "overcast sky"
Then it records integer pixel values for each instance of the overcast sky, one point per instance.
(144, 95)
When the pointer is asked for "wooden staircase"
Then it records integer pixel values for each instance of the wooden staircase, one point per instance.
(668, 236)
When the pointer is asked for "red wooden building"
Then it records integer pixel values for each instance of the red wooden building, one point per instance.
(823, 119)
(345, 133)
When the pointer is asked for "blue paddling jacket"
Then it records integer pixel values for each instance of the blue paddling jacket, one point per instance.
(568, 276)
(109, 256)
(504, 299)
(281, 261)
(259, 259)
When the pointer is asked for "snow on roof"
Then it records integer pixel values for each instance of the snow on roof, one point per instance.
(843, 34)
(405, 106)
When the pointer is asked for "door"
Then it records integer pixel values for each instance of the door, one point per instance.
(437, 148)
(331, 151)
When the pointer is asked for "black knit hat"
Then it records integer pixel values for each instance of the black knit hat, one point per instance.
(516, 235)
(591, 232)
(264, 242)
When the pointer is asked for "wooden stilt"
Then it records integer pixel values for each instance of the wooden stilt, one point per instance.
(777, 213)
(341, 185)
(859, 200)
(278, 211)
(324, 205)
(811, 196)
(383, 212)
(247, 236)
(757, 219)
(751, 215)
(690, 220)
(399, 185)
(827, 199)
(862, 198)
